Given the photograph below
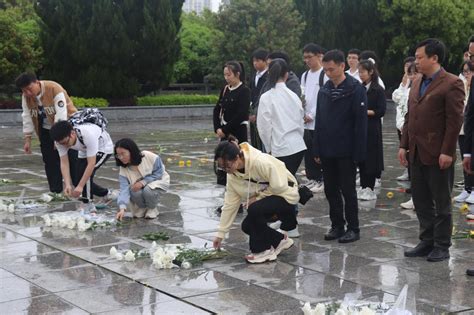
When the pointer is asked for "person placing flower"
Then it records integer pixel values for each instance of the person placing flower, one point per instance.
(142, 178)
(270, 191)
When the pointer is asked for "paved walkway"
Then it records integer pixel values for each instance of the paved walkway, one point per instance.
(52, 270)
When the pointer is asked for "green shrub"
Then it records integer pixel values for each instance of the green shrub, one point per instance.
(80, 102)
(176, 99)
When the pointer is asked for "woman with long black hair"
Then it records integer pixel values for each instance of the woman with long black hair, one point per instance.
(376, 106)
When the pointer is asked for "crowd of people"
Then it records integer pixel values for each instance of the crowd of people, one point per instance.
(331, 117)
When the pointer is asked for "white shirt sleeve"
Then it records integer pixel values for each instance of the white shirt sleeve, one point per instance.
(28, 126)
(62, 150)
(60, 106)
(264, 121)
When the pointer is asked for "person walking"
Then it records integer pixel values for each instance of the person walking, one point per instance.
(430, 132)
(340, 143)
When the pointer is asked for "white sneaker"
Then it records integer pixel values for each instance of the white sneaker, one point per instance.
(360, 192)
(285, 243)
(295, 233)
(408, 205)
(275, 225)
(258, 258)
(368, 194)
(378, 183)
(152, 213)
(318, 187)
(404, 176)
(470, 199)
(462, 196)
(310, 183)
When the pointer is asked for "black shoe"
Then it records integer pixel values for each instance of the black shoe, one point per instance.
(438, 254)
(349, 237)
(421, 250)
(334, 234)
(241, 209)
(470, 272)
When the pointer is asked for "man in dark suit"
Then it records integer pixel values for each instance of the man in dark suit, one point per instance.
(468, 162)
(430, 132)
(259, 59)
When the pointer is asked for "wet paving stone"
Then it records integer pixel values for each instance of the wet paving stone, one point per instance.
(54, 270)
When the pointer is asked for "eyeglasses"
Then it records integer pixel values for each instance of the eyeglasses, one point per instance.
(307, 57)
(226, 167)
(466, 71)
(65, 141)
(122, 155)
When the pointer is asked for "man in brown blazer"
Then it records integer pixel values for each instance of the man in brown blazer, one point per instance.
(430, 132)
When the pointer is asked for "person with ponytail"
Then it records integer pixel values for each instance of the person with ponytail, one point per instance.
(376, 106)
(231, 112)
(270, 192)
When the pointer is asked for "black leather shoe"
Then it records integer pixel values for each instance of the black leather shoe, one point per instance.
(438, 254)
(420, 250)
(470, 272)
(334, 234)
(349, 237)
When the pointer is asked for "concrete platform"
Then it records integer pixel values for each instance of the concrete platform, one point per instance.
(45, 270)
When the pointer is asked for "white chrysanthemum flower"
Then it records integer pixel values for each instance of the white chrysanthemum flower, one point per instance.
(366, 311)
(119, 256)
(186, 265)
(341, 312)
(71, 224)
(113, 252)
(11, 208)
(153, 247)
(320, 309)
(307, 309)
(129, 256)
(46, 197)
(47, 219)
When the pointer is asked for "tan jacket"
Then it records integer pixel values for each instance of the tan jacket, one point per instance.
(434, 120)
(146, 168)
(56, 102)
(259, 167)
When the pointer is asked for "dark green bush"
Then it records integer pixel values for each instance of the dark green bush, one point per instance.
(176, 99)
(80, 102)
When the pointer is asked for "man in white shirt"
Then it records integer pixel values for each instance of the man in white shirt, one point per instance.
(311, 81)
(353, 62)
(94, 146)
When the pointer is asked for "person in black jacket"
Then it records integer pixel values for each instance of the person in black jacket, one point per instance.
(259, 60)
(339, 143)
(376, 106)
(231, 112)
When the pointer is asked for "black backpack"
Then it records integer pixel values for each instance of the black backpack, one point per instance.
(87, 115)
(321, 77)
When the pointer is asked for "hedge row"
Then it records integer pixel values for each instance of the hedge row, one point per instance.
(159, 100)
(176, 99)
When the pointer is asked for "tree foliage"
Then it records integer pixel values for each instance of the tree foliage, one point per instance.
(198, 55)
(408, 22)
(249, 24)
(106, 48)
(20, 49)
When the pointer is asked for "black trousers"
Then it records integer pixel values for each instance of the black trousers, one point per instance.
(91, 188)
(313, 169)
(292, 162)
(431, 191)
(261, 236)
(340, 177)
(52, 162)
(254, 137)
(367, 179)
(468, 179)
